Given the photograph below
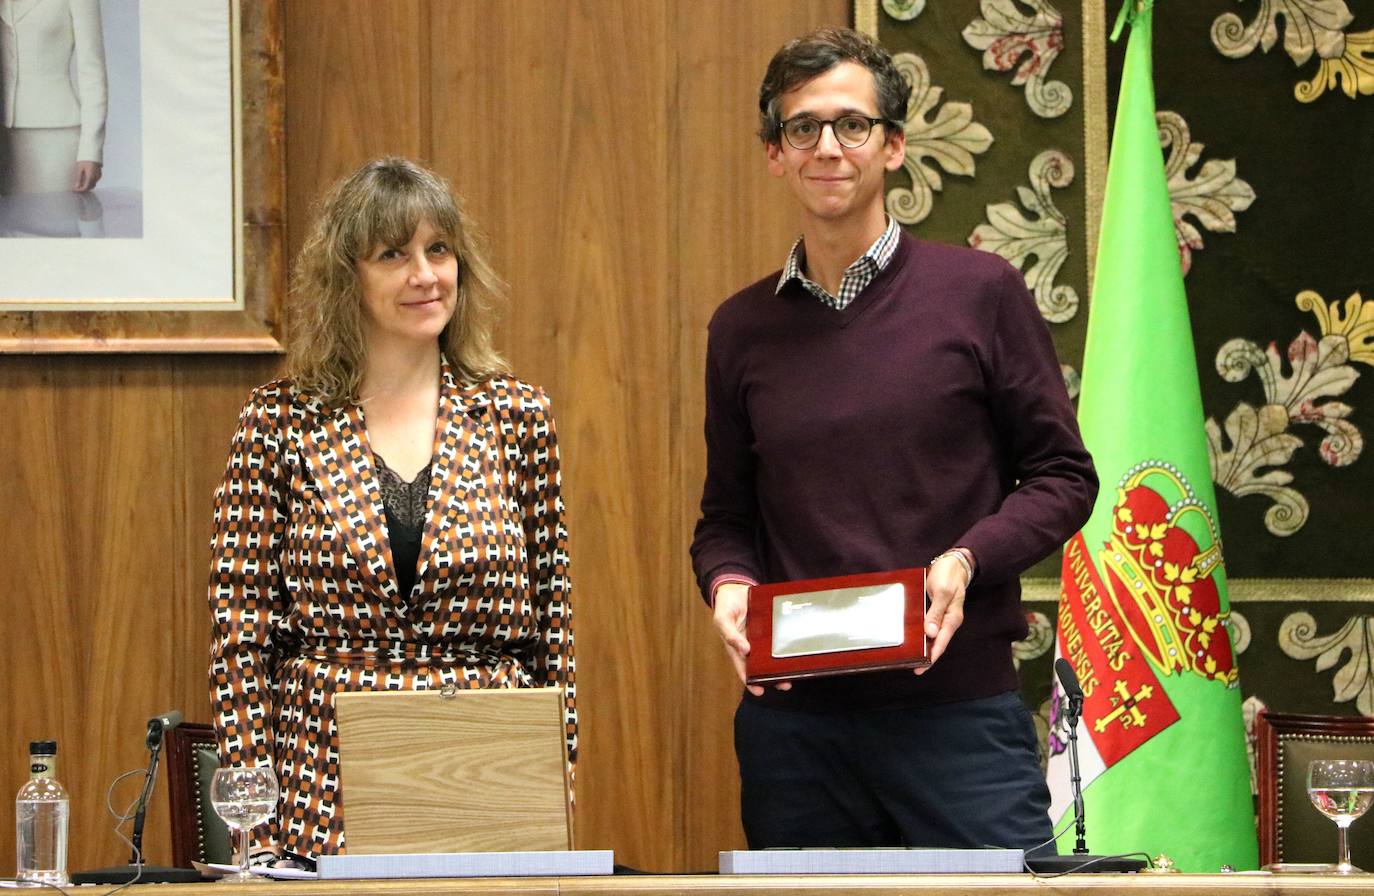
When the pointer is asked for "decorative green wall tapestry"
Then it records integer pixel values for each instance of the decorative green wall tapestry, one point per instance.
(1266, 120)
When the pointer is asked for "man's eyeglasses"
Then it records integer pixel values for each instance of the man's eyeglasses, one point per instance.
(852, 131)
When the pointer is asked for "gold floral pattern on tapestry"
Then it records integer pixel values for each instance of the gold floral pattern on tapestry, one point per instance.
(1260, 440)
(904, 10)
(1036, 241)
(1356, 324)
(1211, 197)
(1298, 637)
(1037, 643)
(1027, 42)
(1354, 69)
(1310, 26)
(950, 140)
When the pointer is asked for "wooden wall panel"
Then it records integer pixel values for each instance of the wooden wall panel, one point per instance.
(85, 477)
(607, 149)
(105, 623)
(356, 89)
(553, 130)
(734, 224)
(636, 200)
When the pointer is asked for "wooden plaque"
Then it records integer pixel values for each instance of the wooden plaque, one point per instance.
(465, 771)
(838, 625)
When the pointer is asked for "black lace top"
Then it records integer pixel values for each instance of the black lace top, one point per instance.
(404, 503)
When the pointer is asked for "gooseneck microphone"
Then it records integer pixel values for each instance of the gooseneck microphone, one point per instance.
(1080, 858)
(169, 719)
(160, 725)
(1062, 667)
(157, 727)
(137, 871)
(1073, 691)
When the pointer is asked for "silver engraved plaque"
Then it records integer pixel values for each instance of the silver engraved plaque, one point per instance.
(860, 618)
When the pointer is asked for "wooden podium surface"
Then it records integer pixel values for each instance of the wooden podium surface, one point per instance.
(751, 885)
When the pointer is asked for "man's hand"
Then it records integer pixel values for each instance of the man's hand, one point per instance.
(87, 176)
(732, 608)
(945, 584)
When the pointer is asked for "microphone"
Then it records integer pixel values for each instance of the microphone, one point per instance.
(1068, 678)
(169, 719)
(1073, 691)
(1080, 859)
(157, 725)
(137, 871)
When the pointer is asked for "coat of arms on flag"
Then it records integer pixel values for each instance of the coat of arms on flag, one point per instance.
(1143, 615)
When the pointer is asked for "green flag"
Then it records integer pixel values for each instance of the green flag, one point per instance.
(1143, 613)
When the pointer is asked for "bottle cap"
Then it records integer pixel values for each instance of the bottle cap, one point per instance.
(43, 748)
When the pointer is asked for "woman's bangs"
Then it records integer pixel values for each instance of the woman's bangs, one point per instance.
(394, 218)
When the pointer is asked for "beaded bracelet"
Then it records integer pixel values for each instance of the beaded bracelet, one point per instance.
(963, 561)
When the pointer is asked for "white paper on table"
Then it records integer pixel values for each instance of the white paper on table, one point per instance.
(216, 870)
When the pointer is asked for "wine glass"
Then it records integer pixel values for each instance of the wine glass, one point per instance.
(244, 798)
(1342, 790)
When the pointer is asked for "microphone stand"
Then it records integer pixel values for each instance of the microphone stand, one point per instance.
(154, 742)
(1080, 859)
(1080, 816)
(136, 871)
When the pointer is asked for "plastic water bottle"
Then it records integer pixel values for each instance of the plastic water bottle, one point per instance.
(40, 815)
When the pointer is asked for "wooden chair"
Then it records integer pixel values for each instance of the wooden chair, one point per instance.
(198, 834)
(1291, 830)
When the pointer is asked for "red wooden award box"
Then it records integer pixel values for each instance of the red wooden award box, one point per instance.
(838, 625)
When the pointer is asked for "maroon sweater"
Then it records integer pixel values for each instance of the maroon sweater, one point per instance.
(928, 413)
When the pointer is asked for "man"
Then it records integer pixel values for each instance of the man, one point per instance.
(880, 402)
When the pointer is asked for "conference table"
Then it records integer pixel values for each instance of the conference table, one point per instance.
(769, 885)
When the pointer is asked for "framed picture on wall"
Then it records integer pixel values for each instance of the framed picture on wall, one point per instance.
(141, 176)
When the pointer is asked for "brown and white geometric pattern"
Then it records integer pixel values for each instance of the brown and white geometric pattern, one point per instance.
(304, 595)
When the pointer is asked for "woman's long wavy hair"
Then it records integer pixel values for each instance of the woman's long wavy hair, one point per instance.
(382, 203)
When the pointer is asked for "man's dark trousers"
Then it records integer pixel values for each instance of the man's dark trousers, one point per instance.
(961, 775)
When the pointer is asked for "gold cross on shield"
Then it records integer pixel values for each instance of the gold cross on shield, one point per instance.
(1127, 708)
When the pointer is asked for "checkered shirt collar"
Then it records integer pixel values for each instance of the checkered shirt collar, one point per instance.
(856, 276)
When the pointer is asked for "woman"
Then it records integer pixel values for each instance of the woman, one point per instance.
(53, 130)
(391, 516)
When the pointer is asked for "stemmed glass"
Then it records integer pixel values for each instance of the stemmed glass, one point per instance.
(1342, 790)
(244, 798)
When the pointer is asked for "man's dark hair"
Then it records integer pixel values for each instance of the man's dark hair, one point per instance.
(813, 54)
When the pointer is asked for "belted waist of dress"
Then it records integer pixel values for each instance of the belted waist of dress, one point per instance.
(408, 653)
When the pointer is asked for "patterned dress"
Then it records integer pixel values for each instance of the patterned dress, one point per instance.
(304, 595)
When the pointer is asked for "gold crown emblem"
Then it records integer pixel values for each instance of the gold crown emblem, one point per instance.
(1161, 562)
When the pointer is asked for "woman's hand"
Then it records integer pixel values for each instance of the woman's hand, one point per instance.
(87, 176)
